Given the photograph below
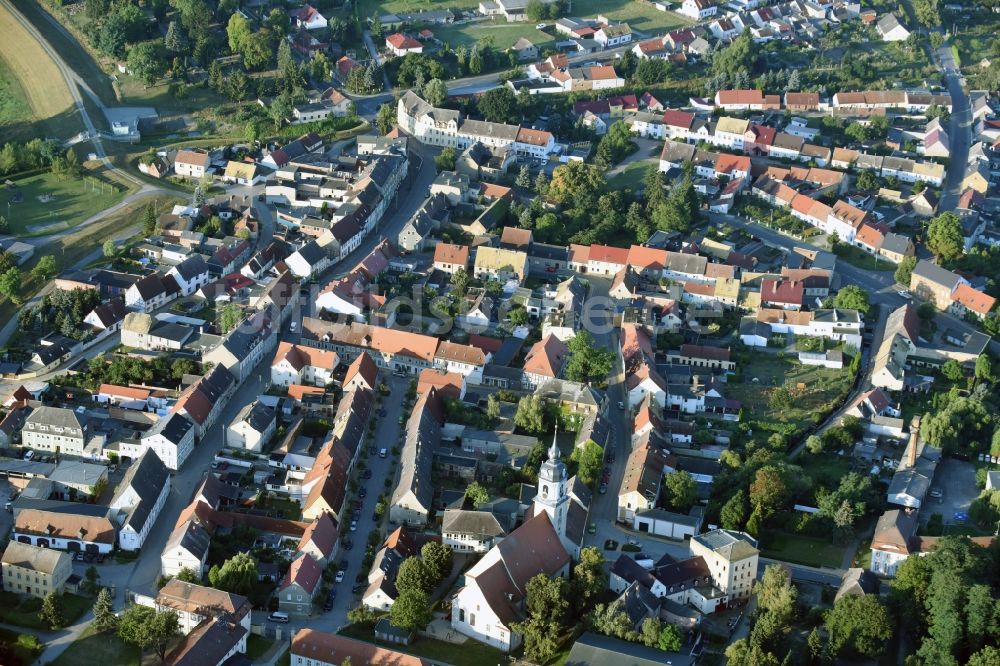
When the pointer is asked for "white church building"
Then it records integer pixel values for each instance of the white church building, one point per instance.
(547, 542)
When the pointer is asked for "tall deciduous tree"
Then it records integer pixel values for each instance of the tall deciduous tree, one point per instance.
(411, 610)
(945, 237)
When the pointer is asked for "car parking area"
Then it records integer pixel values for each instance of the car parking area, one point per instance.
(956, 479)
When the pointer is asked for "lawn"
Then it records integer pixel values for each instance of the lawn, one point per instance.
(471, 652)
(24, 646)
(104, 649)
(503, 34)
(23, 611)
(640, 15)
(42, 88)
(72, 201)
(825, 469)
(631, 177)
(80, 244)
(973, 33)
(61, 34)
(257, 646)
(858, 257)
(14, 105)
(814, 389)
(810, 551)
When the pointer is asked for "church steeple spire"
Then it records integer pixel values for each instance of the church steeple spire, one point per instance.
(554, 449)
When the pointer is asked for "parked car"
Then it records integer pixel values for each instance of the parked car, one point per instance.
(382, 453)
(278, 616)
(936, 493)
(354, 525)
(367, 474)
(359, 587)
(328, 605)
(604, 488)
(363, 493)
(340, 576)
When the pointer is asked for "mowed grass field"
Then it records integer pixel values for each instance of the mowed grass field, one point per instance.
(72, 201)
(14, 106)
(639, 14)
(41, 86)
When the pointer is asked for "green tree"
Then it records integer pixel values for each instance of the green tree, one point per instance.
(590, 579)
(740, 56)
(414, 575)
(984, 369)
(867, 180)
(446, 159)
(733, 515)
(498, 105)
(944, 236)
(257, 51)
(176, 40)
(146, 629)
(238, 574)
(438, 558)
(853, 297)
(530, 415)
(587, 361)
(238, 32)
(187, 574)
(148, 220)
(952, 370)
(493, 407)
(460, 282)
(904, 270)
(523, 179)
(546, 606)
(858, 626)
(46, 268)
(775, 593)
(104, 614)
(780, 399)
(589, 459)
(680, 491)
(411, 610)
(575, 183)
(435, 92)
(147, 61)
(988, 656)
(230, 317)
(477, 494)
(108, 249)
(320, 66)
(51, 612)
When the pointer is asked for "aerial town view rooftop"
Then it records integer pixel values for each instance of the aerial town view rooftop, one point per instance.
(546, 332)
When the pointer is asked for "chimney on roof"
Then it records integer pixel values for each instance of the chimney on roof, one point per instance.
(914, 440)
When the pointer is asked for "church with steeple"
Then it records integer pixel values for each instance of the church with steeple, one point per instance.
(547, 542)
(565, 499)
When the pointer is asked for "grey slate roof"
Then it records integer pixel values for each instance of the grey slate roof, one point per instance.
(172, 427)
(480, 523)
(593, 649)
(146, 477)
(936, 274)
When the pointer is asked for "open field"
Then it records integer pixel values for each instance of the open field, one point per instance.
(43, 92)
(821, 387)
(503, 34)
(639, 14)
(14, 105)
(72, 201)
(973, 34)
(78, 245)
(70, 49)
(92, 648)
(800, 549)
